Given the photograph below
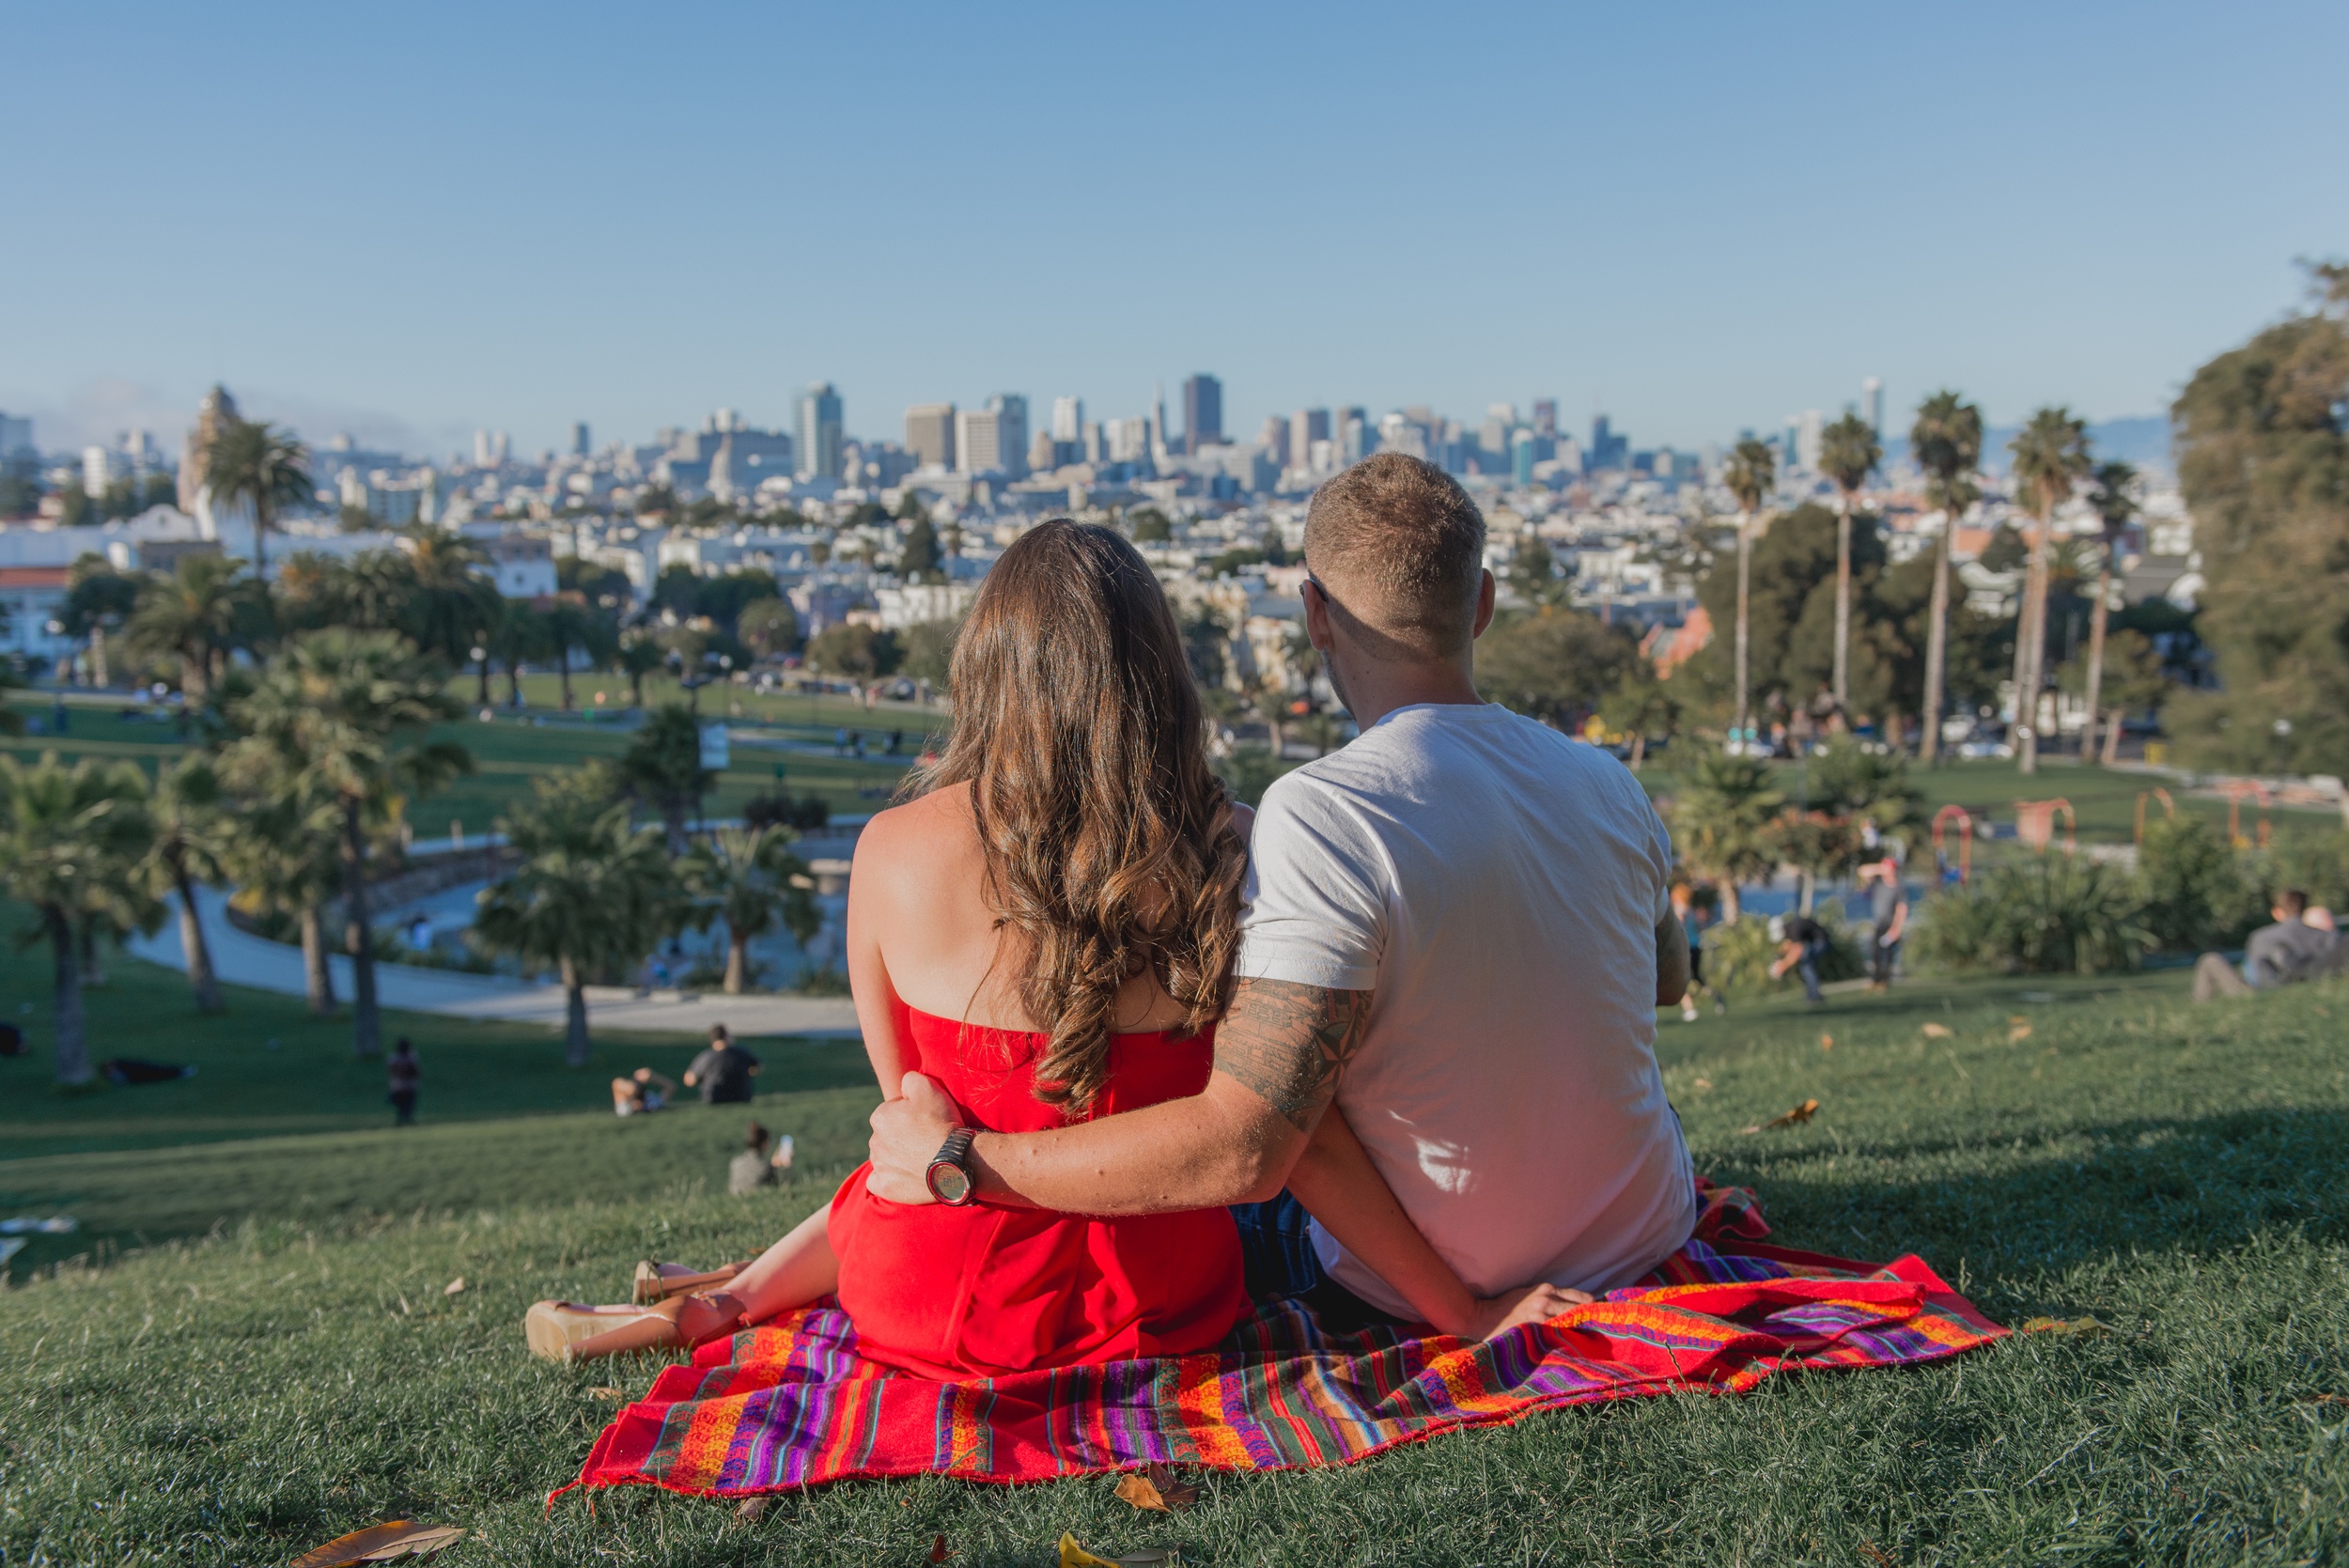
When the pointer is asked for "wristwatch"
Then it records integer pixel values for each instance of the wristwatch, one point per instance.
(949, 1177)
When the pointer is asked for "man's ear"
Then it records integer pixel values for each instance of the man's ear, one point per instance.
(1316, 619)
(1484, 606)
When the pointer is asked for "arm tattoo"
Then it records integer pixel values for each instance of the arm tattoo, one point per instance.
(1288, 1043)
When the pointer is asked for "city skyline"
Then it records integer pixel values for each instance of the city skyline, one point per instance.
(1763, 215)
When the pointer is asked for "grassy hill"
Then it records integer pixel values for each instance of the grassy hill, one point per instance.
(288, 1366)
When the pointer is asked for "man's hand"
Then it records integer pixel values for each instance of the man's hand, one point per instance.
(1495, 1315)
(908, 1133)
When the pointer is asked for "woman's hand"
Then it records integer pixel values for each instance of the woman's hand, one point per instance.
(1494, 1315)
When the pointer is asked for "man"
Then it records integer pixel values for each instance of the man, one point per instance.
(402, 1076)
(1457, 931)
(723, 1072)
(1801, 944)
(1887, 907)
(2278, 955)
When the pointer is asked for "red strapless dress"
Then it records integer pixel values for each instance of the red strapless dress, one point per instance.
(981, 1291)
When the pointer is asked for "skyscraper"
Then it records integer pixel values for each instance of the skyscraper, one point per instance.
(1872, 397)
(1203, 412)
(930, 434)
(578, 438)
(1069, 418)
(1274, 439)
(819, 433)
(1546, 419)
(1012, 409)
(993, 439)
(1306, 427)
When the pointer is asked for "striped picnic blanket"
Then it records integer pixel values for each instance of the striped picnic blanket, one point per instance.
(789, 1403)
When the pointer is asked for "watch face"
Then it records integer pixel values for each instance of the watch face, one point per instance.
(949, 1183)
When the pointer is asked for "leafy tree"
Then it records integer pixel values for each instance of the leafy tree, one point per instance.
(190, 844)
(654, 501)
(1751, 474)
(1555, 664)
(1205, 635)
(724, 599)
(570, 625)
(1816, 845)
(262, 466)
(328, 718)
(2006, 550)
(286, 857)
(196, 616)
(1643, 706)
(678, 590)
(1149, 525)
(1848, 453)
(771, 627)
(98, 601)
(662, 769)
(1720, 819)
(640, 655)
(591, 896)
(1845, 779)
(852, 649)
(1946, 443)
(2263, 449)
(919, 558)
(929, 651)
(2049, 454)
(597, 583)
(741, 876)
(1534, 571)
(909, 505)
(77, 509)
(20, 497)
(63, 833)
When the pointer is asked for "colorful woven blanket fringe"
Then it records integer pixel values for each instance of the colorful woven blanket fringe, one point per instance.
(790, 1404)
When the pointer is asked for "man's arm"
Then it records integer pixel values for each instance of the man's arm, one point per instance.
(1672, 960)
(1279, 1054)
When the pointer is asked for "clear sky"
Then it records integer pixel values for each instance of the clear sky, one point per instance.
(409, 220)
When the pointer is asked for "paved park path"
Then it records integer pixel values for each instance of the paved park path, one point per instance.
(241, 958)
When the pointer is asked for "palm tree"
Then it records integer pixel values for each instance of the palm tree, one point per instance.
(1848, 453)
(571, 625)
(663, 767)
(2049, 454)
(1751, 473)
(1721, 819)
(327, 719)
(191, 840)
(196, 616)
(269, 469)
(519, 636)
(1946, 443)
(65, 832)
(98, 601)
(2114, 507)
(285, 856)
(592, 895)
(740, 876)
(375, 590)
(452, 608)
(640, 656)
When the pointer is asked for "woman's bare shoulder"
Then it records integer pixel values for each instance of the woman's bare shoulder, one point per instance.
(925, 833)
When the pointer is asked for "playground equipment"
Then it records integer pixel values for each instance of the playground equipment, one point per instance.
(2167, 804)
(1965, 839)
(2235, 792)
(2034, 823)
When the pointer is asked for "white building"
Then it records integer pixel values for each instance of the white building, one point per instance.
(521, 565)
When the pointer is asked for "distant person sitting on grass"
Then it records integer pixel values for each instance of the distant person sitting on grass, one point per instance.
(1801, 944)
(752, 1167)
(642, 1093)
(2292, 948)
(402, 1074)
(723, 1072)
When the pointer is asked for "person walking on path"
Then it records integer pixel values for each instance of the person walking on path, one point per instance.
(402, 1074)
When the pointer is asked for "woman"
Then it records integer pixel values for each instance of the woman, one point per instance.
(1047, 928)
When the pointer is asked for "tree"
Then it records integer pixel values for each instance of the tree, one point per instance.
(771, 626)
(662, 769)
(1643, 706)
(853, 649)
(264, 468)
(1149, 525)
(373, 591)
(519, 637)
(2263, 450)
(1848, 779)
(1556, 664)
(1205, 635)
(929, 651)
(1751, 473)
(569, 625)
(1946, 443)
(196, 616)
(640, 656)
(919, 558)
(2049, 454)
(2115, 505)
(285, 856)
(1721, 822)
(191, 843)
(1533, 570)
(99, 599)
(63, 833)
(741, 876)
(336, 718)
(451, 607)
(909, 505)
(591, 896)
(1848, 453)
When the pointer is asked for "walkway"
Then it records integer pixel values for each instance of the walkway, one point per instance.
(241, 958)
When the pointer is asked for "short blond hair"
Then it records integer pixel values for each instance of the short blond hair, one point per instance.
(1408, 545)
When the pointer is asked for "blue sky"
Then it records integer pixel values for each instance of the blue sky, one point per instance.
(409, 221)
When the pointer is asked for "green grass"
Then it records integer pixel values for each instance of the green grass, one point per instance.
(290, 1366)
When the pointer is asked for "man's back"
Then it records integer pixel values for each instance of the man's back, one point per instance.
(1499, 887)
(724, 1075)
(2287, 951)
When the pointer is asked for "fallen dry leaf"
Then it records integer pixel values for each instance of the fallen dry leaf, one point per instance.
(601, 1392)
(1793, 1118)
(751, 1509)
(1074, 1556)
(1704, 1083)
(2019, 1017)
(388, 1542)
(1826, 1042)
(1136, 1489)
(456, 1286)
(1875, 1554)
(2020, 1031)
(1940, 1031)
(2066, 1326)
(1157, 1490)
(939, 1552)
(2326, 1398)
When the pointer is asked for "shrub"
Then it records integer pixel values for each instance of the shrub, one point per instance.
(806, 813)
(2049, 914)
(2197, 892)
(2317, 863)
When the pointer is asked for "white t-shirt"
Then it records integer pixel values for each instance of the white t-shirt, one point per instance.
(1498, 886)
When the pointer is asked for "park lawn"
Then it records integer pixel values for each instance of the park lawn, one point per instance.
(820, 713)
(2176, 1172)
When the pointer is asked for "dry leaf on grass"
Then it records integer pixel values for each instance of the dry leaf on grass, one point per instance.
(2020, 1031)
(2018, 1017)
(1074, 1556)
(1940, 1031)
(1826, 1042)
(939, 1550)
(601, 1392)
(1800, 1114)
(2066, 1326)
(1157, 1490)
(2325, 1399)
(388, 1542)
(749, 1510)
(1875, 1554)
(456, 1286)
(1704, 1083)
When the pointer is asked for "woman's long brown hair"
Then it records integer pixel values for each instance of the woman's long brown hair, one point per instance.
(1110, 844)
